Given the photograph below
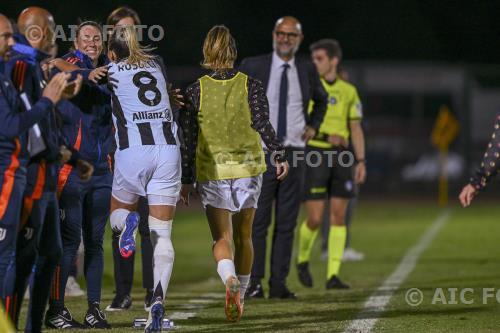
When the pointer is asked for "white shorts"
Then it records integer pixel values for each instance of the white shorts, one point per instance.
(231, 194)
(148, 171)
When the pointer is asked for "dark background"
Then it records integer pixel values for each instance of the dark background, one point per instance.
(442, 35)
(449, 31)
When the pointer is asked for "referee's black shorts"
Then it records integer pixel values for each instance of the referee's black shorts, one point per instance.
(327, 176)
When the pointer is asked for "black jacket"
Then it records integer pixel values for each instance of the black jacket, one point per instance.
(259, 67)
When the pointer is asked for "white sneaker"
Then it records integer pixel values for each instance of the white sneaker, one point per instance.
(73, 288)
(352, 255)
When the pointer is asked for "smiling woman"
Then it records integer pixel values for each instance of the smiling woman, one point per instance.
(85, 205)
(89, 40)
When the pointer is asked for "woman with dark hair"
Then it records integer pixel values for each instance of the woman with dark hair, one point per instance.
(84, 205)
(123, 16)
(226, 120)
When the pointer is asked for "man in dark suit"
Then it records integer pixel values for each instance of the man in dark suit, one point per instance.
(290, 84)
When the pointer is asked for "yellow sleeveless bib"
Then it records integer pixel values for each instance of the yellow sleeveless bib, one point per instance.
(228, 147)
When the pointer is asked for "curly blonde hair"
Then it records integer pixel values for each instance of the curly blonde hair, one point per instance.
(219, 49)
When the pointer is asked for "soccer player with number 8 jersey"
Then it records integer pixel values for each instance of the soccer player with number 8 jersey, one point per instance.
(147, 159)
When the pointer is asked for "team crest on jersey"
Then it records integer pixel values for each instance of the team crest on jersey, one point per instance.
(3, 233)
(333, 100)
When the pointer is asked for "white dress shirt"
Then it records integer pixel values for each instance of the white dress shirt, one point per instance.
(295, 121)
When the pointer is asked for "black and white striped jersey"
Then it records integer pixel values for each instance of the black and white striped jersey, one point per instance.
(142, 114)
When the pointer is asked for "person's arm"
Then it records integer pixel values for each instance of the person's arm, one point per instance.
(88, 74)
(491, 161)
(13, 123)
(189, 125)
(21, 74)
(71, 156)
(486, 171)
(358, 143)
(319, 98)
(63, 66)
(67, 154)
(188, 122)
(174, 95)
(259, 109)
(355, 115)
(91, 92)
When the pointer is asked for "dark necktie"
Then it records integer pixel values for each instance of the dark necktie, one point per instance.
(282, 104)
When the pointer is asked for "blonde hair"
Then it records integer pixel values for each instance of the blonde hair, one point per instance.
(124, 43)
(219, 49)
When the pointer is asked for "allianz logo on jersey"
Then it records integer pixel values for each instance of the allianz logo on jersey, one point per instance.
(147, 115)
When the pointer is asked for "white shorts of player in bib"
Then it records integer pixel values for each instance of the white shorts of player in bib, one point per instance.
(231, 194)
(148, 171)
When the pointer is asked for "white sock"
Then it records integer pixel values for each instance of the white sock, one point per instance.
(117, 219)
(244, 279)
(225, 268)
(163, 255)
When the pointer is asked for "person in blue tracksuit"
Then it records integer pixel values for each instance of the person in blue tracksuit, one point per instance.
(84, 206)
(14, 126)
(39, 240)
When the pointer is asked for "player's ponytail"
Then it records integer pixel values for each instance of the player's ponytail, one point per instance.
(124, 43)
(219, 49)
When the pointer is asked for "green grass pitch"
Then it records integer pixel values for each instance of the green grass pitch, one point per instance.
(465, 254)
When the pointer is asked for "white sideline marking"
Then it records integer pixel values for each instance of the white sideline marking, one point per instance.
(202, 301)
(193, 306)
(196, 304)
(182, 315)
(213, 295)
(381, 297)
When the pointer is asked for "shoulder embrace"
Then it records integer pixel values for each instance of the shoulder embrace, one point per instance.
(192, 87)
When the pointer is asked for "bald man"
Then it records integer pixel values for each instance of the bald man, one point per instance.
(290, 84)
(38, 26)
(39, 236)
(14, 126)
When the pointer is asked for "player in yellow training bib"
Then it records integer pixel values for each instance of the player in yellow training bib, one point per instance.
(227, 117)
